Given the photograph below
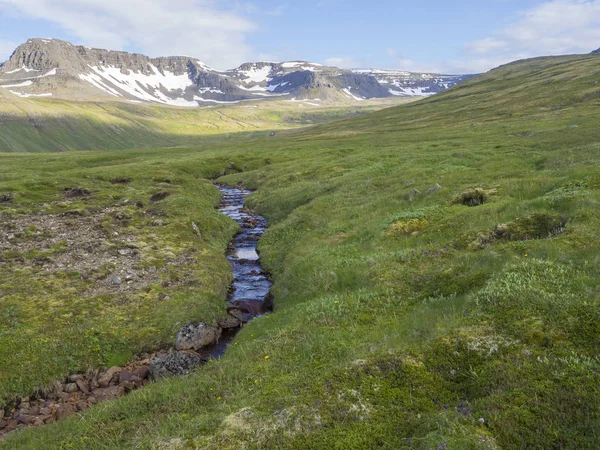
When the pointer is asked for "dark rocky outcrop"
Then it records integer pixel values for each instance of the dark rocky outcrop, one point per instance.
(174, 363)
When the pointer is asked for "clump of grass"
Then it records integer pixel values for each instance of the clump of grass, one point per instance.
(474, 197)
(536, 226)
(407, 227)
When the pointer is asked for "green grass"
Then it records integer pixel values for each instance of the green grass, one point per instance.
(384, 339)
(61, 125)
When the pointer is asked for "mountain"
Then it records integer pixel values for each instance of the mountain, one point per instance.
(596, 51)
(56, 68)
(409, 84)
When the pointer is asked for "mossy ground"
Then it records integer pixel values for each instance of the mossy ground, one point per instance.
(379, 341)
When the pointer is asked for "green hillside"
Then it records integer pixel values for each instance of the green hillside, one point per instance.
(435, 267)
(34, 125)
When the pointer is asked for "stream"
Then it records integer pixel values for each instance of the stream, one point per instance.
(249, 297)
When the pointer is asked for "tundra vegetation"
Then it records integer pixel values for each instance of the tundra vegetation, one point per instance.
(435, 269)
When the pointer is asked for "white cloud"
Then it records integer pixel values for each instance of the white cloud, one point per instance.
(552, 28)
(343, 62)
(156, 27)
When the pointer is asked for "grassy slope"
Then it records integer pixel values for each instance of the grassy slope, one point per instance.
(59, 125)
(392, 340)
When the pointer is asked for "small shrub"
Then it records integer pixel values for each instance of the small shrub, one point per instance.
(473, 197)
(159, 196)
(536, 226)
(406, 227)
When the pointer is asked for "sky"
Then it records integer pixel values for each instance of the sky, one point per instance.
(463, 36)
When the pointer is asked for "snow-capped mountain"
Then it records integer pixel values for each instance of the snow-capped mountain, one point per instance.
(409, 84)
(55, 68)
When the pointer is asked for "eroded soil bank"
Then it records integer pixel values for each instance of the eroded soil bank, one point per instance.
(196, 343)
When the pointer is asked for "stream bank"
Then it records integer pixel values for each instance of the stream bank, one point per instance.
(249, 297)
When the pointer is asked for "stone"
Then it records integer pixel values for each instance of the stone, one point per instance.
(76, 192)
(413, 194)
(104, 380)
(26, 419)
(6, 198)
(58, 387)
(108, 393)
(75, 378)
(71, 387)
(142, 372)
(3, 424)
(45, 411)
(38, 422)
(92, 400)
(254, 307)
(63, 411)
(64, 397)
(195, 337)
(174, 363)
(81, 405)
(229, 322)
(124, 376)
(83, 386)
(159, 196)
(240, 315)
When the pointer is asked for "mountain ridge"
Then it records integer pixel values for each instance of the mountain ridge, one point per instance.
(46, 67)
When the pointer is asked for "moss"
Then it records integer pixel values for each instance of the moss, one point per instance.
(474, 197)
(406, 227)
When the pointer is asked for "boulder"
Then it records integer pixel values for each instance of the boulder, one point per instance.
(174, 363)
(108, 393)
(83, 386)
(195, 337)
(71, 387)
(6, 198)
(104, 380)
(142, 372)
(63, 411)
(125, 376)
(228, 323)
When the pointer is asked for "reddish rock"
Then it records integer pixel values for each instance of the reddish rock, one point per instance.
(82, 385)
(229, 322)
(105, 379)
(81, 405)
(108, 393)
(254, 307)
(142, 372)
(71, 387)
(12, 425)
(63, 411)
(124, 376)
(75, 378)
(26, 419)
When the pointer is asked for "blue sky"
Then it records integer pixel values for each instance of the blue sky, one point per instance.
(459, 37)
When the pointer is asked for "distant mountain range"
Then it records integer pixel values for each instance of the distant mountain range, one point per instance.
(56, 68)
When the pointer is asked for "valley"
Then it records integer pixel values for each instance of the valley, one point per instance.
(434, 269)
